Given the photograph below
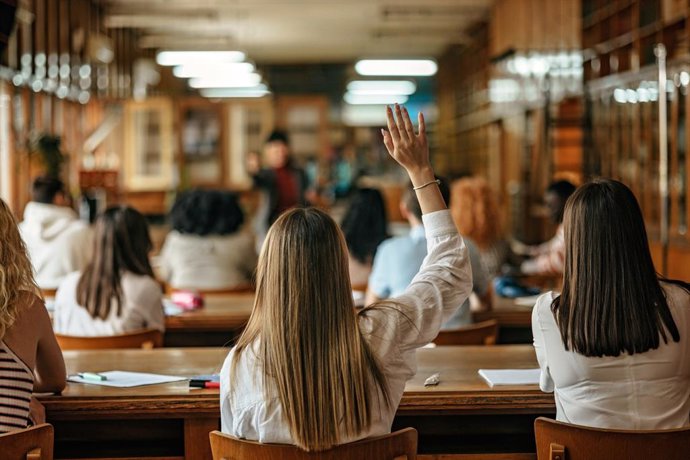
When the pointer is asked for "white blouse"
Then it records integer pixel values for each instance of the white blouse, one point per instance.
(142, 308)
(443, 282)
(643, 391)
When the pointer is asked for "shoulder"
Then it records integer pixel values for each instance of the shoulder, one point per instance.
(140, 284)
(69, 282)
(30, 309)
(676, 295)
(542, 308)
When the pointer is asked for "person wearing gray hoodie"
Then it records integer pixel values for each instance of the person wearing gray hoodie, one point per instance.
(57, 241)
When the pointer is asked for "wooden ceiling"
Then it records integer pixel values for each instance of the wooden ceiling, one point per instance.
(300, 31)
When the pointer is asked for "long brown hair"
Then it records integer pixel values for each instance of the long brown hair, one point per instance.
(612, 301)
(310, 349)
(16, 274)
(122, 243)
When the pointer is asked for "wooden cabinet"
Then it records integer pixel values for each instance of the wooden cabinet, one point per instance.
(305, 118)
(149, 145)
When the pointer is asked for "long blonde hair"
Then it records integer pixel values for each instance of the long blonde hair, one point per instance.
(16, 274)
(310, 349)
(475, 211)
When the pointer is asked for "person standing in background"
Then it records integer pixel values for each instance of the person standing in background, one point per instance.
(282, 184)
(58, 243)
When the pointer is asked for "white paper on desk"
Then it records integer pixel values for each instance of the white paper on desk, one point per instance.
(123, 379)
(510, 376)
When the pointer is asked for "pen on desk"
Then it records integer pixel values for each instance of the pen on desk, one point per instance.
(94, 376)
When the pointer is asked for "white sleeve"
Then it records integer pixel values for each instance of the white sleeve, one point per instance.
(444, 282)
(545, 381)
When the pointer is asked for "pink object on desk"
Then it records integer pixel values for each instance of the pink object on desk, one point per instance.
(187, 300)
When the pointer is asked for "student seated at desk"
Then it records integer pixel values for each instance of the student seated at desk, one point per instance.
(30, 358)
(614, 347)
(548, 258)
(116, 293)
(475, 211)
(306, 370)
(398, 260)
(207, 249)
(57, 241)
(364, 227)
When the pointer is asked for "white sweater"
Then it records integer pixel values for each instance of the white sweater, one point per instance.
(207, 262)
(58, 243)
(443, 282)
(142, 307)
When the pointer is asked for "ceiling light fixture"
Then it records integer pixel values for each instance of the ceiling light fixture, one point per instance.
(168, 58)
(358, 99)
(212, 69)
(226, 81)
(382, 87)
(256, 91)
(401, 67)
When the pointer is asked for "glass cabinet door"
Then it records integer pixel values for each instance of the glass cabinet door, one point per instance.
(149, 147)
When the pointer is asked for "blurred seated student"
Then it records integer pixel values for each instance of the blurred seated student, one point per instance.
(614, 346)
(475, 211)
(398, 260)
(364, 226)
(30, 355)
(309, 372)
(57, 241)
(117, 292)
(207, 248)
(548, 258)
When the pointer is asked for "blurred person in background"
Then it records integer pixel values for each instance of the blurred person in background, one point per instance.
(548, 258)
(364, 226)
(207, 248)
(474, 208)
(58, 243)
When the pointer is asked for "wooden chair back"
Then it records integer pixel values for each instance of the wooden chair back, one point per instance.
(145, 338)
(483, 333)
(48, 293)
(35, 443)
(563, 441)
(399, 445)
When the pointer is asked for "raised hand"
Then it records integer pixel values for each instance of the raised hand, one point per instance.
(410, 150)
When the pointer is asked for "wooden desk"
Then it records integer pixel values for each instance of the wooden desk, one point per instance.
(514, 321)
(461, 414)
(217, 324)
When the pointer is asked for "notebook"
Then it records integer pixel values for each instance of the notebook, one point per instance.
(510, 376)
(122, 379)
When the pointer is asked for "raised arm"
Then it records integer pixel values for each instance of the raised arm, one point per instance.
(445, 279)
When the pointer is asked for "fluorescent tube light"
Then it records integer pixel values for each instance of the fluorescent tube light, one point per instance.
(226, 81)
(196, 57)
(390, 67)
(212, 69)
(257, 91)
(382, 87)
(358, 99)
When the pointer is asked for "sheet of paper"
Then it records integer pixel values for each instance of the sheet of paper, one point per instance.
(510, 376)
(122, 379)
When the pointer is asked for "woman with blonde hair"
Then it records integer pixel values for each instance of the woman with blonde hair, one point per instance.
(311, 371)
(30, 358)
(475, 211)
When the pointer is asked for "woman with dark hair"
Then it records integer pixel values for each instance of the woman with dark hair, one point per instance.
(117, 292)
(612, 346)
(364, 227)
(206, 248)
